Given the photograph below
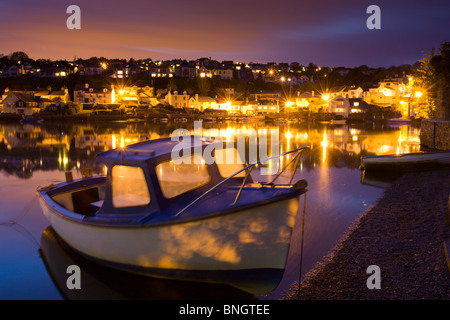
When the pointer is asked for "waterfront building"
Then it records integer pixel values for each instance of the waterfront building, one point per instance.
(133, 95)
(202, 102)
(339, 105)
(224, 72)
(186, 71)
(89, 68)
(21, 102)
(203, 72)
(158, 71)
(86, 94)
(178, 99)
(266, 95)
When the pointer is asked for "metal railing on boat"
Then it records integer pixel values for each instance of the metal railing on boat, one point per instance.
(248, 170)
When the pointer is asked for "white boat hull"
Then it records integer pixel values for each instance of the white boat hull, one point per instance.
(254, 238)
(407, 161)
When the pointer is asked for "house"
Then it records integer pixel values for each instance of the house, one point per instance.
(266, 95)
(225, 73)
(231, 106)
(85, 94)
(358, 105)
(386, 94)
(89, 68)
(51, 72)
(354, 92)
(202, 102)
(156, 71)
(11, 71)
(126, 70)
(53, 96)
(335, 92)
(263, 109)
(204, 72)
(21, 102)
(134, 95)
(178, 99)
(309, 100)
(339, 105)
(186, 71)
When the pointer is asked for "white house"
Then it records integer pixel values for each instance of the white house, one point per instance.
(85, 94)
(225, 73)
(387, 93)
(178, 99)
(339, 105)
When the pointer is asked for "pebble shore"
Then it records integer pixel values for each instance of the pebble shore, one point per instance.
(403, 234)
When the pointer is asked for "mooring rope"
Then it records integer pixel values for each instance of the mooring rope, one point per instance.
(301, 248)
(14, 223)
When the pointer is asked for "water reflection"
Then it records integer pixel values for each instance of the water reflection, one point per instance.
(336, 196)
(27, 148)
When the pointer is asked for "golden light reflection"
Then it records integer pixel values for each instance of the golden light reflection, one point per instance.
(324, 145)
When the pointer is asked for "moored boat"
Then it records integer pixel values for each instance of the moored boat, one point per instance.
(407, 161)
(193, 220)
(31, 120)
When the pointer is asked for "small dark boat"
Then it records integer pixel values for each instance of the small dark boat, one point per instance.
(31, 120)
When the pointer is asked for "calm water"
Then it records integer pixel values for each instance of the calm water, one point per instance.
(39, 155)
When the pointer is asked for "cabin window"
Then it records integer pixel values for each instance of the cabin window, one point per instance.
(189, 173)
(228, 162)
(129, 187)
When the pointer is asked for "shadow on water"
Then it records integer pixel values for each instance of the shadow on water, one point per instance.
(379, 179)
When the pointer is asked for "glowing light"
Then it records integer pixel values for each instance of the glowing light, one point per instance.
(289, 104)
(418, 94)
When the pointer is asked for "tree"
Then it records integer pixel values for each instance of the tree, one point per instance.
(203, 85)
(441, 65)
(18, 55)
(425, 78)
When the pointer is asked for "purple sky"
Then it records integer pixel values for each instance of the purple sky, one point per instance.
(328, 33)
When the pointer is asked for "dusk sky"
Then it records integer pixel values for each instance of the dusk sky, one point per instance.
(327, 33)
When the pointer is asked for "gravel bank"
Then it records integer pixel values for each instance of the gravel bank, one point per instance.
(403, 234)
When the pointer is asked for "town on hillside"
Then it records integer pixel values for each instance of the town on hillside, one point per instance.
(202, 86)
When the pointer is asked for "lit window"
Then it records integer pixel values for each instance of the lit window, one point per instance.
(190, 172)
(129, 187)
(228, 162)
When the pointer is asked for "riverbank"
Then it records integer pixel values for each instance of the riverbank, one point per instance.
(403, 234)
